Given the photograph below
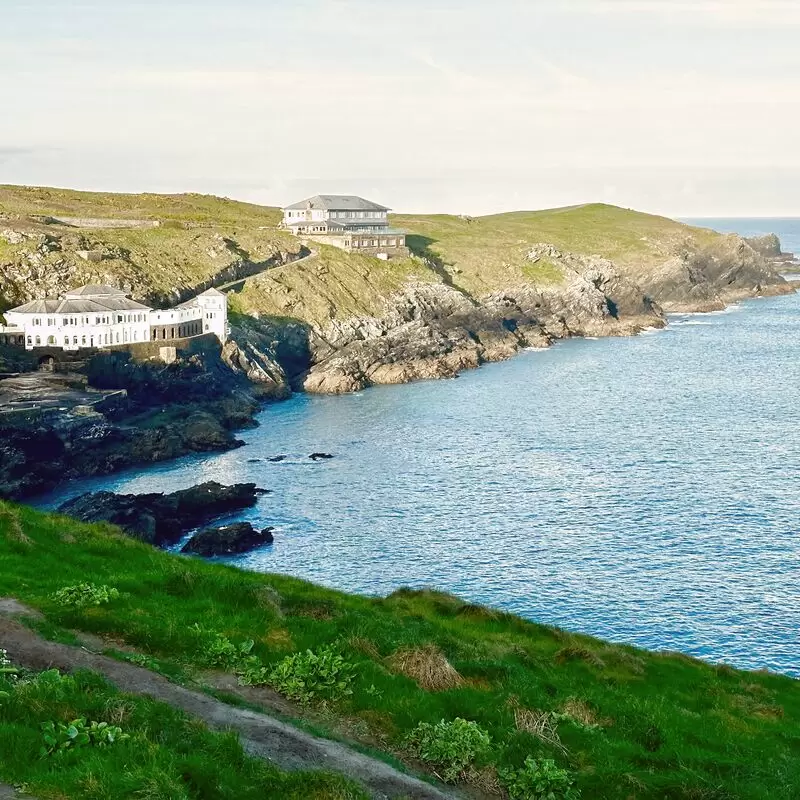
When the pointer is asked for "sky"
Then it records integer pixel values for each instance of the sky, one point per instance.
(680, 107)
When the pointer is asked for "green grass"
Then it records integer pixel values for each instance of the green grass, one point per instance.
(167, 755)
(193, 208)
(488, 253)
(630, 723)
(201, 235)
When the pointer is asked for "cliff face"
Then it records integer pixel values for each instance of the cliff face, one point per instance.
(476, 290)
(434, 330)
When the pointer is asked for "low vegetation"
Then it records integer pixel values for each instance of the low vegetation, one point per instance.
(129, 746)
(484, 254)
(474, 695)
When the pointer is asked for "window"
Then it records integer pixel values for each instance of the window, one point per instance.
(51, 340)
(97, 320)
(38, 340)
(117, 337)
(30, 340)
(75, 340)
(66, 341)
(83, 341)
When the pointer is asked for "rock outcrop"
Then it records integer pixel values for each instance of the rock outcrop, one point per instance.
(239, 537)
(158, 518)
(434, 330)
(710, 278)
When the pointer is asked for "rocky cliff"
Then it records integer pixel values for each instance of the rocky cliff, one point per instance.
(476, 290)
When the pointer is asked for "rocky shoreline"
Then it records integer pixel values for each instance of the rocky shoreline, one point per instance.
(427, 330)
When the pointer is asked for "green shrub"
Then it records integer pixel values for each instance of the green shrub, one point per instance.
(82, 595)
(59, 737)
(539, 780)
(314, 675)
(449, 746)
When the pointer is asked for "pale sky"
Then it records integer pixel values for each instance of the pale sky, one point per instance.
(686, 108)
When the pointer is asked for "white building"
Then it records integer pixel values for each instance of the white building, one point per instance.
(345, 221)
(103, 316)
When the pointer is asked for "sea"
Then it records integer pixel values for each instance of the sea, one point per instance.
(643, 490)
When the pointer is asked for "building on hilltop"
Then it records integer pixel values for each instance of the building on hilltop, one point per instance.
(346, 221)
(104, 316)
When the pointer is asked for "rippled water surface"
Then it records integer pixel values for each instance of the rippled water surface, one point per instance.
(640, 489)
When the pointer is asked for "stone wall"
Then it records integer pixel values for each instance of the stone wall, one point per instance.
(188, 346)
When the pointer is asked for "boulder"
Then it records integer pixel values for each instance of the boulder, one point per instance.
(239, 537)
(162, 518)
(319, 456)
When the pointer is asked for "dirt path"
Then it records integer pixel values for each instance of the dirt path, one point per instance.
(261, 735)
(239, 284)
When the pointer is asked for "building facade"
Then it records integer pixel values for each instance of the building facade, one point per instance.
(348, 222)
(104, 316)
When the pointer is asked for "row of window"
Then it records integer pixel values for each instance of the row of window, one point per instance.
(372, 243)
(86, 341)
(341, 214)
(357, 214)
(105, 320)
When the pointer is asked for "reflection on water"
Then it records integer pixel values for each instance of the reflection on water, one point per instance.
(640, 489)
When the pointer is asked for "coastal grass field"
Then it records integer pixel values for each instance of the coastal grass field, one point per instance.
(202, 238)
(162, 754)
(617, 721)
(484, 254)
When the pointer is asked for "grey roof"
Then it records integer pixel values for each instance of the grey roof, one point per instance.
(37, 307)
(212, 292)
(95, 290)
(84, 305)
(336, 202)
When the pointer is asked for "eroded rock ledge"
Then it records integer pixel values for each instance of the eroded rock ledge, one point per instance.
(434, 330)
(159, 518)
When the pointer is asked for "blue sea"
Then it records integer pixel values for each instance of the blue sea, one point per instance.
(644, 490)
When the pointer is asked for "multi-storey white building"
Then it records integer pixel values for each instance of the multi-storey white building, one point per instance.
(345, 221)
(103, 316)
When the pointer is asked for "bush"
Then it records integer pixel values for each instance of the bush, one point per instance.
(83, 595)
(59, 737)
(449, 746)
(539, 780)
(314, 675)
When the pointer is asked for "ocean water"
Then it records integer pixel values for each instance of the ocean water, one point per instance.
(644, 490)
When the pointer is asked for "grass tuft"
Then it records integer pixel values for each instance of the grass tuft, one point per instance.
(428, 666)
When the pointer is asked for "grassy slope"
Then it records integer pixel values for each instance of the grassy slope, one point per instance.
(490, 251)
(168, 756)
(187, 249)
(668, 726)
(480, 256)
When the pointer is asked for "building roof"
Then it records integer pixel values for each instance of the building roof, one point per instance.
(86, 299)
(37, 307)
(95, 290)
(212, 292)
(336, 202)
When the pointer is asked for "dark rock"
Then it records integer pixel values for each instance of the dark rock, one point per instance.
(276, 459)
(162, 518)
(240, 537)
(318, 456)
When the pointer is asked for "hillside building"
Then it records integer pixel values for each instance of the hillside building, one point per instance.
(348, 222)
(104, 316)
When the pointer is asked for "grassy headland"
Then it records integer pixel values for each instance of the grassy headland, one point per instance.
(621, 722)
(202, 238)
